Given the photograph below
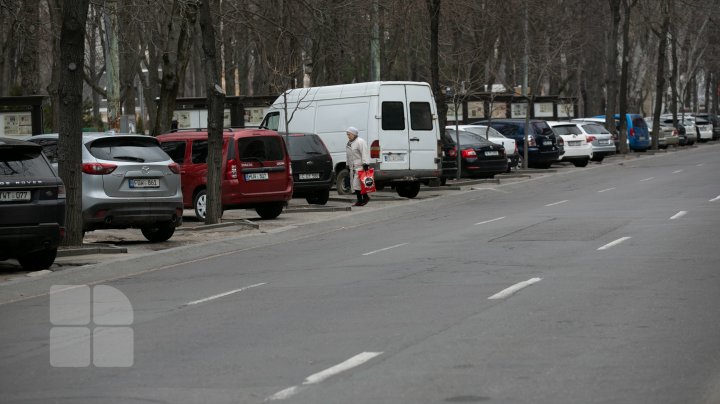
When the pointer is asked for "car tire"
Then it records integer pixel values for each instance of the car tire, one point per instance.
(342, 182)
(408, 189)
(581, 163)
(599, 159)
(443, 181)
(38, 260)
(319, 198)
(159, 232)
(200, 205)
(270, 210)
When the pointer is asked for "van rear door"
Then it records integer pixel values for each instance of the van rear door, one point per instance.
(394, 130)
(423, 134)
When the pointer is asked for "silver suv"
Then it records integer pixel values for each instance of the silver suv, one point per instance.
(128, 181)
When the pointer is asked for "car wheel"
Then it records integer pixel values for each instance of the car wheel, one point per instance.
(543, 166)
(158, 233)
(342, 182)
(599, 159)
(581, 163)
(408, 189)
(270, 210)
(319, 198)
(200, 205)
(38, 260)
(443, 181)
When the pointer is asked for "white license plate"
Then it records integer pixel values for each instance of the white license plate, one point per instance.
(603, 142)
(394, 157)
(574, 143)
(310, 176)
(256, 176)
(12, 196)
(547, 143)
(492, 153)
(145, 183)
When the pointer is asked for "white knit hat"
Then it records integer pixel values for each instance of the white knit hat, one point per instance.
(352, 130)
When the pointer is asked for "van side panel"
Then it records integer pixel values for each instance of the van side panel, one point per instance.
(334, 117)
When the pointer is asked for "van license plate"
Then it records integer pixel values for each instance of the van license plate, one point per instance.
(491, 153)
(394, 157)
(256, 176)
(12, 196)
(145, 183)
(310, 176)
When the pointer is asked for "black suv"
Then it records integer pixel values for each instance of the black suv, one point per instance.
(32, 205)
(544, 148)
(312, 167)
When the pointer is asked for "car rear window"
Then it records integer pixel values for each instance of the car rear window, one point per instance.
(175, 149)
(261, 148)
(23, 163)
(467, 138)
(595, 129)
(566, 130)
(305, 146)
(639, 122)
(127, 149)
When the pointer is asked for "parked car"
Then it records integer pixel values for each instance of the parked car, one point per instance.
(544, 148)
(704, 129)
(668, 135)
(510, 145)
(602, 141)
(714, 120)
(638, 136)
(32, 205)
(578, 150)
(312, 167)
(479, 156)
(255, 170)
(128, 181)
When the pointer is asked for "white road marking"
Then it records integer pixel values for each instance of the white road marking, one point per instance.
(700, 165)
(491, 220)
(717, 198)
(679, 215)
(207, 299)
(385, 249)
(614, 243)
(606, 189)
(677, 171)
(556, 203)
(648, 179)
(355, 361)
(514, 289)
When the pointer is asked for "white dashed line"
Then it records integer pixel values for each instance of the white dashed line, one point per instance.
(491, 220)
(606, 189)
(677, 171)
(514, 289)
(356, 360)
(679, 215)
(385, 249)
(717, 198)
(614, 243)
(207, 299)
(556, 203)
(699, 165)
(648, 179)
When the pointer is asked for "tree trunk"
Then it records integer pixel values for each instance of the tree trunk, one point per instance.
(611, 81)
(434, 11)
(627, 8)
(660, 80)
(216, 101)
(29, 57)
(56, 22)
(72, 58)
(674, 69)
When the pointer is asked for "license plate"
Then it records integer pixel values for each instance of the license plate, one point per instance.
(574, 143)
(256, 176)
(12, 196)
(394, 157)
(492, 153)
(145, 183)
(547, 143)
(310, 176)
(603, 142)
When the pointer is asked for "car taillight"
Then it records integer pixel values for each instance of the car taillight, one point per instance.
(469, 153)
(560, 141)
(675, 132)
(516, 149)
(531, 141)
(231, 170)
(61, 192)
(375, 149)
(98, 168)
(589, 138)
(632, 132)
(174, 167)
(452, 152)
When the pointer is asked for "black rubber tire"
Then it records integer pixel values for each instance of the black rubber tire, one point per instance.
(581, 163)
(38, 260)
(158, 233)
(342, 187)
(443, 181)
(319, 198)
(270, 210)
(408, 189)
(599, 159)
(200, 205)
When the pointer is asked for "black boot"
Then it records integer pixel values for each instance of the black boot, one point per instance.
(366, 199)
(359, 199)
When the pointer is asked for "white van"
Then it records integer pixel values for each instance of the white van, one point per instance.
(397, 119)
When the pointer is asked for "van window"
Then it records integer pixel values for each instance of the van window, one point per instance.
(639, 122)
(261, 148)
(420, 116)
(199, 152)
(271, 121)
(393, 116)
(175, 149)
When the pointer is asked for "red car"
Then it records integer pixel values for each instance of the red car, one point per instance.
(256, 170)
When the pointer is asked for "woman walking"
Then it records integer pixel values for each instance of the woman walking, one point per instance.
(358, 158)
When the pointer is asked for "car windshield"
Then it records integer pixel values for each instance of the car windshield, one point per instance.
(567, 130)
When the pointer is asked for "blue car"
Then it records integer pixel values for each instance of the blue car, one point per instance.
(637, 130)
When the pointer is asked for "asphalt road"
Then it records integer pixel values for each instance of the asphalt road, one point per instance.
(596, 285)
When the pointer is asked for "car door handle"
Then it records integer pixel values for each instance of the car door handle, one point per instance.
(414, 139)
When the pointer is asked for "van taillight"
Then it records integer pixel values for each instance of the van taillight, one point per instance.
(375, 149)
(231, 171)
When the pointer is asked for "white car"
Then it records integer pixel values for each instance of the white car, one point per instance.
(704, 129)
(577, 148)
(496, 137)
(603, 142)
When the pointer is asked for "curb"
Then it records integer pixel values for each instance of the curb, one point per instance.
(204, 227)
(88, 249)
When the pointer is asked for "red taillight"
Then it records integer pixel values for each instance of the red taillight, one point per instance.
(516, 149)
(61, 192)
(375, 150)
(174, 167)
(675, 132)
(632, 132)
(590, 138)
(560, 141)
(231, 170)
(452, 152)
(531, 141)
(467, 153)
(98, 168)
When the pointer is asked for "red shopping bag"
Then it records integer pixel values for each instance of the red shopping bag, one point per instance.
(367, 181)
